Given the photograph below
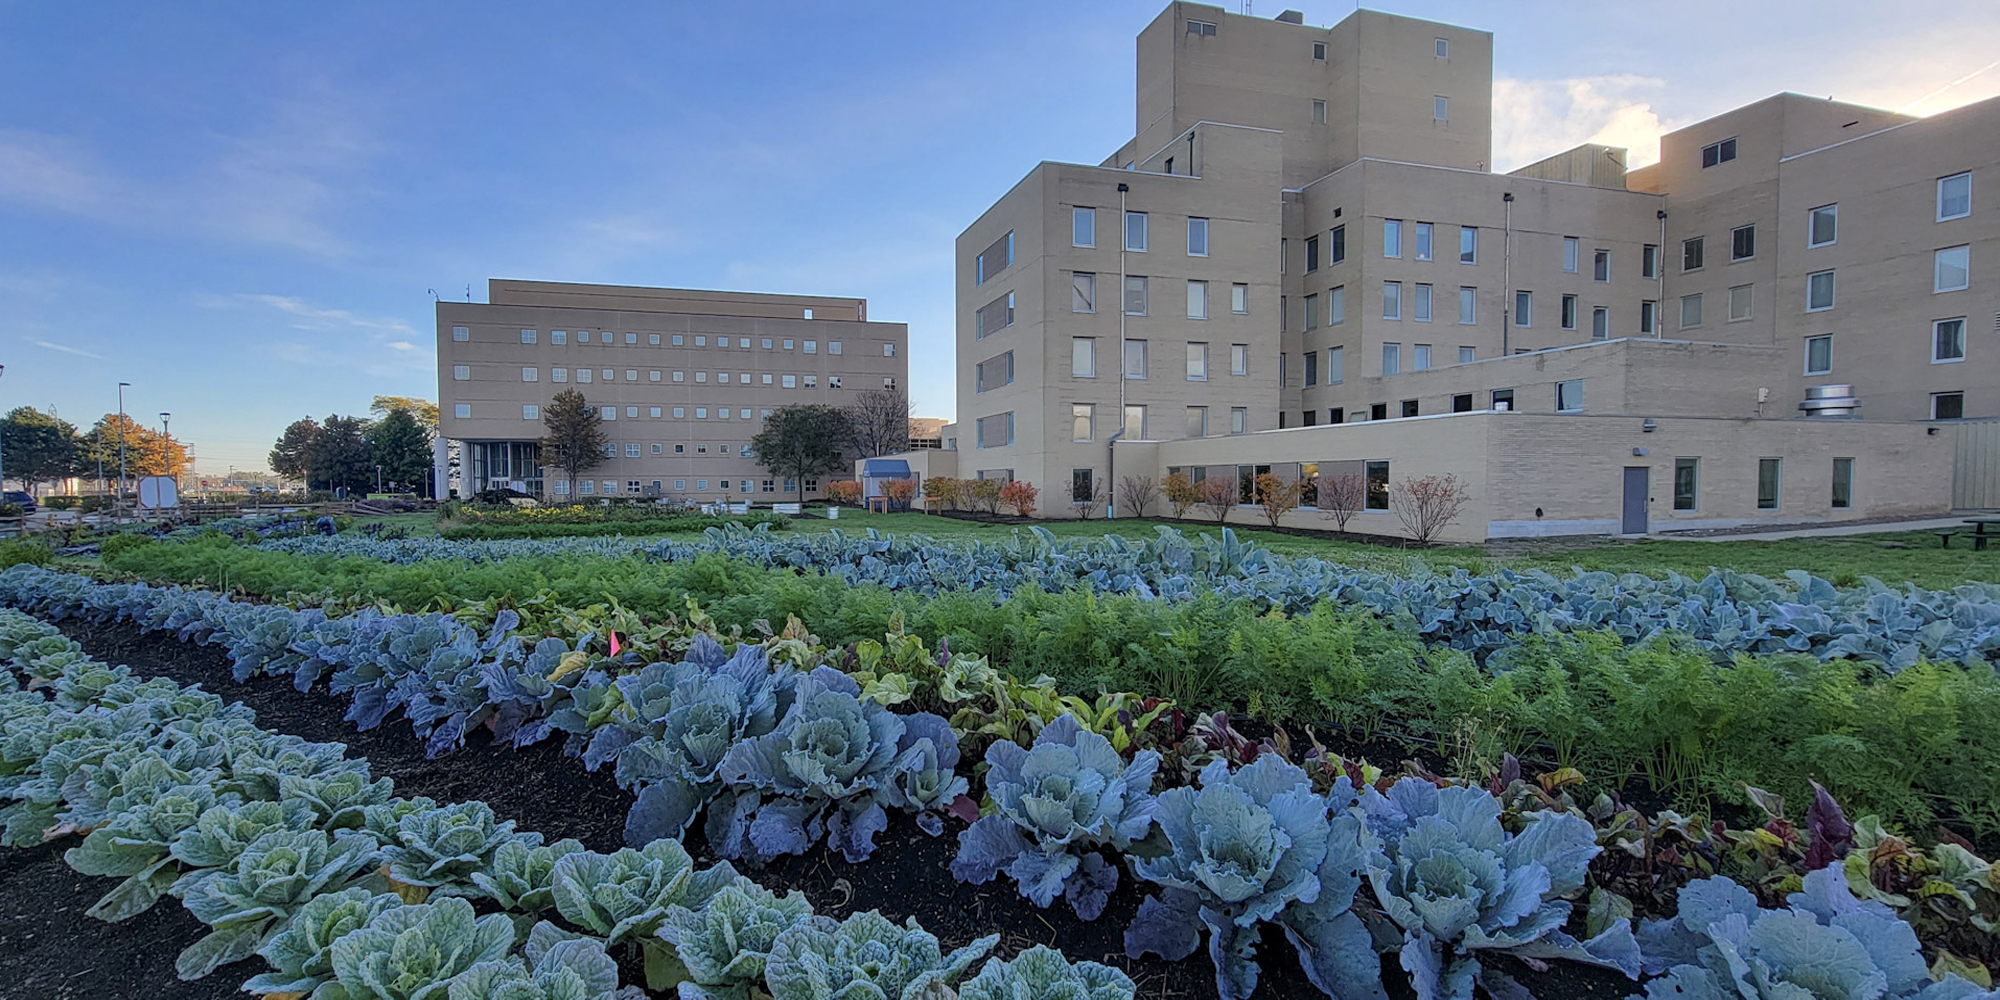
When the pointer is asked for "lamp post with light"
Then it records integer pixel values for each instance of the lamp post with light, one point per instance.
(167, 448)
(118, 503)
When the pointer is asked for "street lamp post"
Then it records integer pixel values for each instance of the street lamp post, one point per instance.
(167, 448)
(118, 504)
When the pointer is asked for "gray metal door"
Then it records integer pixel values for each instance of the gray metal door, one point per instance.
(1634, 522)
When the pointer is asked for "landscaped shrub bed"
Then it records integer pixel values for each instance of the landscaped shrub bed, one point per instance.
(488, 523)
(1360, 859)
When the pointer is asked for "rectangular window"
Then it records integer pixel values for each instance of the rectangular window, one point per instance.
(1503, 399)
(1947, 406)
(1392, 359)
(1312, 369)
(461, 410)
(1083, 357)
(1954, 197)
(1197, 362)
(531, 374)
(1948, 340)
(1312, 312)
(1843, 483)
(1080, 419)
(993, 317)
(527, 336)
(1467, 355)
(888, 350)
(833, 347)
(653, 375)
(1201, 28)
(789, 381)
(461, 373)
(1197, 300)
(1600, 323)
(1690, 311)
(1569, 312)
(1336, 306)
(1392, 300)
(1569, 396)
(1819, 291)
(1336, 366)
(1239, 298)
(1461, 403)
(1691, 254)
(1083, 226)
(461, 334)
(1378, 486)
(1239, 420)
(585, 375)
(1135, 423)
(1196, 422)
(1420, 357)
(1336, 250)
(631, 375)
(631, 451)
(1319, 112)
(1441, 109)
(1742, 301)
(1569, 254)
(1649, 261)
(1420, 306)
(993, 372)
(1423, 247)
(1819, 354)
(995, 431)
(1953, 269)
(1135, 231)
(1687, 478)
(1319, 50)
(1649, 316)
(1524, 308)
(607, 413)
(1718, 152)
(1468, 301)
(1312, 254)
(1742, 243)
(1468, 245)
(1135, 359)
(812, 347)
(1767, 483)
(1392, 237)
(1600, 265)
(1197, 237)
(1442, 46)
(1135, 295)
(995, 259)
(655, 414)
(1083, 292)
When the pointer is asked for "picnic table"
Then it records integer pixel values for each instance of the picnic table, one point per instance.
(1984, 529)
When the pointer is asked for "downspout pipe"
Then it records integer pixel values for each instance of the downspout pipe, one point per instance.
(1111, 504)
(1111, 463)
(1506, 279)
(1660, 276)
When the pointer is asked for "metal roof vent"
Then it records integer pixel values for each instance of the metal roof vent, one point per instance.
(1291, 17)
(1836, 400)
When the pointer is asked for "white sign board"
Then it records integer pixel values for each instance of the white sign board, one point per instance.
(158, 492)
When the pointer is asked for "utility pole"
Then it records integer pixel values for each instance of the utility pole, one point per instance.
(117, 505)
(167, 448)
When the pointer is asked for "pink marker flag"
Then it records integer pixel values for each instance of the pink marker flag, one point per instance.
(614, 644)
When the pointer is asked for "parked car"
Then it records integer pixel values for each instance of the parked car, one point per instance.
(20, 499)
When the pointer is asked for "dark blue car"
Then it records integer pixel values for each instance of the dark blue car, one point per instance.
(20, 499)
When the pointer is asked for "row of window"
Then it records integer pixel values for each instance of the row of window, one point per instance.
(1083, 420)
(533, 411)
(463, 334)
(1138, 231)
(1083, 360)
(585, 376)
(634, 487)
(1421, 245)
(1770, 475)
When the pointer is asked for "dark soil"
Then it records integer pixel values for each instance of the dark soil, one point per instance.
(49, 942)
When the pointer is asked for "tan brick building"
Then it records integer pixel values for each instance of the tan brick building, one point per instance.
(1306, 231)
(682, 379)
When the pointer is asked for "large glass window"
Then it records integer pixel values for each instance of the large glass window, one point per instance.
(1767, 483)
(1843, 483)
(1687, 475)
(1378, 486)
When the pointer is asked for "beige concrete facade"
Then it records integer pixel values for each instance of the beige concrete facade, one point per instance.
(683, 379)
(1343, 177)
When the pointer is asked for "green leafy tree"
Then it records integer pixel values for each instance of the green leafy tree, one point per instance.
(147, 452)
(339, 455)
(293, 452)
(38, 447)
(402, 449)
(573, 437)
(802, 441)
(424, 410)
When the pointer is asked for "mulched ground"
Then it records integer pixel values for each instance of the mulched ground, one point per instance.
(48, 948)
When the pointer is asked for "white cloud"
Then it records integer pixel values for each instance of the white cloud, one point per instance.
(1533, 119)
(65, 348)
(47, 172)
(377, 346)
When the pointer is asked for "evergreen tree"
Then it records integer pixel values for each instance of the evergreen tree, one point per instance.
(401, 448)
(36, 447)
(802, 441)
(339, 456)
(293, 452)
(574, 438)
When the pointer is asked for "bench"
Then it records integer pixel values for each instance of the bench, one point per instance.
(1945, 536)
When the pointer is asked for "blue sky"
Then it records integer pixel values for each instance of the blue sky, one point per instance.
(240, 208)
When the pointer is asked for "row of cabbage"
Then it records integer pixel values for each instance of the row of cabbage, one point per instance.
(291, 852)
(434, 549)
(781, 752)
(1727, 612)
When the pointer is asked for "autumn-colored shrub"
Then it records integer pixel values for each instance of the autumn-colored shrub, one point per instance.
(1219, 496)
(900, 492)
(1277, 495)
(1020, 495)
(1426, 504)
(1181, 493)
(843, 491)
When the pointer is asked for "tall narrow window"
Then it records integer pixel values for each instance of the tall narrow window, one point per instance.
(1135, 423)
(1692, 254)
(1083, 357)
(1423, 247)
(1080, 419)
(1239, 420)
(1600, 265)
(1687, 473)
(1135, 231)
(1843, 483)
(1336, 305)
(1392, 359)
(1948, 340)
(1420, 357)
(1336, 366)
(1197, 300)
(1197, 237)
(1954, 197)
(1468, 245)
(1441, 108)
(1083, 292)
(1336, 250)
(1600, 323)
(1378, 486)
(1743, 243)
(1524, 308)
(1135, 359)
(1239, 359)
(1083, 226)
(1953, 269)
(1319, 112)
(1569, 312)
(1819, 291)
(1767, 483)
(1312, 312)
(1420, 303)
(1569, 254)
(1392, 237)
(1197, 362)
(1468, 301)
(1649, 316)
(1819, 354)
(1649, 261)
(1312, 369)
(1392, 300)
(1822, 226)
(1135, 295)
(1312, 254)
(1239, 298)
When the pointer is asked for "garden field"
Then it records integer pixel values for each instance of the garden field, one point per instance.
(913, 756)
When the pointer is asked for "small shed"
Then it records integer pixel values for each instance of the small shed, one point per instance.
(876, 472)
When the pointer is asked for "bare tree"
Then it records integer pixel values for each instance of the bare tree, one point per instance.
(1220, 495)
(1427, 503)
(1341, 498)
(879, 420)
(1136, 493)
(1085, 501)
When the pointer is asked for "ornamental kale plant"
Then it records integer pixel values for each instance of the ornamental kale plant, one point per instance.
(865, 956)
(440, 849)
(1056, 805)
(1043, 974)
(725, 944)
(136, 846)
(521, 877)
(1247, 847)
(1721, 945)
(623, 897)
(268, 882)
(693, 712)
(301, 955)
(1455, 885)
(222, 832)
(414, 952)
(825, 771)
(553, 966)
